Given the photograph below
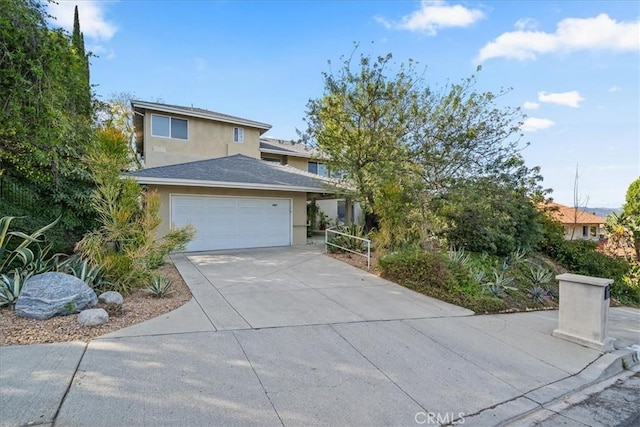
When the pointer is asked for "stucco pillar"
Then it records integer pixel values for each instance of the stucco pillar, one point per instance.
(584, 310)
(348, 207)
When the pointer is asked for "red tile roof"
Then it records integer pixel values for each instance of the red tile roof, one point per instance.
(567, 215)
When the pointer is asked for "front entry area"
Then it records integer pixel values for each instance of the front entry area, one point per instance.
(233, 222)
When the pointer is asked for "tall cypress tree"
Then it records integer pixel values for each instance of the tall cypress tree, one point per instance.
(83, 91)
(76, 36)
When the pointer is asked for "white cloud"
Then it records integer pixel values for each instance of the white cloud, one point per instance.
(569, 99)
(526, 24)
(534, 124)
(614, 88)
(528, 105)
(571, 35)
(433, 15)
(93, 24)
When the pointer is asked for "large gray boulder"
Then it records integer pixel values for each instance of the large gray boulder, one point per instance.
(53, 294)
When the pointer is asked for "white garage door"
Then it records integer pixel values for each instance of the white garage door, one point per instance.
(233, 223)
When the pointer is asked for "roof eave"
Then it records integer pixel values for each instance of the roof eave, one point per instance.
(223, 184)
(287, 153)
(263, 127)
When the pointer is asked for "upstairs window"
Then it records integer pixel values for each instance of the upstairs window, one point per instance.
(169, 127)
(317, 168)
(238, 135)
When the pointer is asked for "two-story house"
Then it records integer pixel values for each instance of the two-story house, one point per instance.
(207, 168)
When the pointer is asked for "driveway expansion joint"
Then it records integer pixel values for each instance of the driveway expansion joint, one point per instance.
(69, 384)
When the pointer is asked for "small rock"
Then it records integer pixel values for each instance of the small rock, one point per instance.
(93, 317)
(111, 297)
(112, 302)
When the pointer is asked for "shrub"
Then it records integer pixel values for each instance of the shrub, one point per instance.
(348, 242)
(125, 245)
(434, 274)
(483, 303)
(582, 257)
(418, 269)
(628, 291)
(485, 216)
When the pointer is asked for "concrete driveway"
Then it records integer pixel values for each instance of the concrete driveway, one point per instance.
(289, 336)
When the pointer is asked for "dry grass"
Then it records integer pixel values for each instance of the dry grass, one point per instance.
(138, 307)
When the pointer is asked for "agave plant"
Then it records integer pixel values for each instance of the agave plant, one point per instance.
(459, 256)
(93, 276)
(499, 285)
(515, 257)
(10, 287)
(540, 275)
(480, 276)
(539, 294)
(160, 287)
(22, 251)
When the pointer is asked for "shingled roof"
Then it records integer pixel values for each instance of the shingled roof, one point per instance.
(277, 146)
(236, 171)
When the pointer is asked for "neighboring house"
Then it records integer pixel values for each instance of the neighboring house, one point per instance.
(304, 158)
(577, 223)
(208, 171)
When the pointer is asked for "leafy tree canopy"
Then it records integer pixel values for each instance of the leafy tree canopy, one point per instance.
(395, 138)
(45, 114)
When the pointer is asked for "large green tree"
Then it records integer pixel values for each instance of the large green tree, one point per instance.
(46, 118)
(361, 122)
(403, 146)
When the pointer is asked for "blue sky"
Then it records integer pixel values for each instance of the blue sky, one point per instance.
(574, 66)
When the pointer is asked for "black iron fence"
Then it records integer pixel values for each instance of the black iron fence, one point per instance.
(13, 193)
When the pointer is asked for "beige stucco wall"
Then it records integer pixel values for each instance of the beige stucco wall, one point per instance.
(299, 205)
(207, 139)
(298, 162)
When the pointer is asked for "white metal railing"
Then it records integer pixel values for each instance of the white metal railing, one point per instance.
(333, 231)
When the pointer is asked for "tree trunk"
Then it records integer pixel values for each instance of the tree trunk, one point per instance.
(370, 221)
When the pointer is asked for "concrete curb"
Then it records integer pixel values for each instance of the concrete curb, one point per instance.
(544, 402)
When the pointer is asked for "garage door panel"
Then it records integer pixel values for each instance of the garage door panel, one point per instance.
(231, 223)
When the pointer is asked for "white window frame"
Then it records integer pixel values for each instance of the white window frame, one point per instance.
(170, 120)
(238, 135)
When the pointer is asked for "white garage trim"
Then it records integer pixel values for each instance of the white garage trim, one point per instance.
(233, 222)
(223, 184)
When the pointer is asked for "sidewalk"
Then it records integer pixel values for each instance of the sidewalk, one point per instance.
(235, 355)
